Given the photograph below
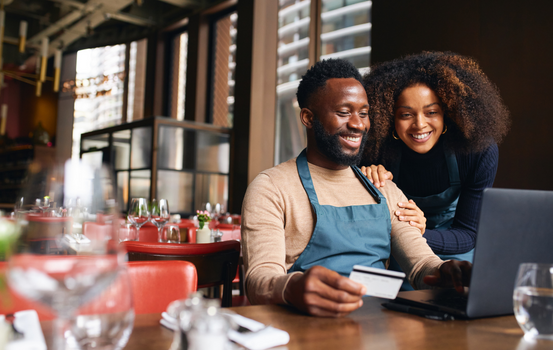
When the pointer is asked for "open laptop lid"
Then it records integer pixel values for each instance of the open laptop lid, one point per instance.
(515, 226)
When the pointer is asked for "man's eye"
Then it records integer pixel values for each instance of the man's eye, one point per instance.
(405, 115)
(364, 114)
(343, 112)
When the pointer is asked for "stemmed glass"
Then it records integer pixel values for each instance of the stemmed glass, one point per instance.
(159, 215)
(139, 214)
(48, 267)
(106, 322)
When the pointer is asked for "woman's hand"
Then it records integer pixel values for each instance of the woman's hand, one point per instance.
(377, 174)
(412, 214)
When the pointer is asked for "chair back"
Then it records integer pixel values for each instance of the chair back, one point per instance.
(148, 233)
(156, 284)
(230, 231)
(97, 231)
(11, 302)
(216, 263)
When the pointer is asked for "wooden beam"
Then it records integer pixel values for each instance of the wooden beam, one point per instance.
(253, 139)
(196, 79)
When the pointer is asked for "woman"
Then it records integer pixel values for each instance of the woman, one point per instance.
(436, 122)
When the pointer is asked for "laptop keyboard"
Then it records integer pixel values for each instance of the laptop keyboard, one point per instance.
(450, 299)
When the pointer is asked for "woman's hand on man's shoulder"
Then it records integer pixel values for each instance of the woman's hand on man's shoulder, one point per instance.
(377, 174)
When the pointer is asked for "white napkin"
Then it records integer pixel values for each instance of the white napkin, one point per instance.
(27, 322)
(261, 337)
(73, 239)
(169, 321)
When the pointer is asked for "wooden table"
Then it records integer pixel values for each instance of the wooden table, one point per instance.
(370, 327)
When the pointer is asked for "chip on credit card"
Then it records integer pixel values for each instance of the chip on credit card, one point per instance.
(380, 283)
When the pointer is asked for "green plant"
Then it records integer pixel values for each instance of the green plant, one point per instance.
(203, 217)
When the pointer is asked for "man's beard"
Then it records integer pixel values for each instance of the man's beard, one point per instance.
(330, 146)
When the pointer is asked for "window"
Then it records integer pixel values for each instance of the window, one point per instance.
(98, 93)
(223, 64)
(99, 88)
(342, 30)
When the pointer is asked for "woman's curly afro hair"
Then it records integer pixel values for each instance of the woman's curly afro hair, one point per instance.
(473, 110)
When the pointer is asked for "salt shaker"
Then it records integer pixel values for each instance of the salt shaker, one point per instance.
(208, 329)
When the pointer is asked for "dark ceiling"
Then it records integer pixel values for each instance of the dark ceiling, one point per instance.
(77, 24)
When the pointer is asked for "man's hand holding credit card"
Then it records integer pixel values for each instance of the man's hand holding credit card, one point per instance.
(380, 283)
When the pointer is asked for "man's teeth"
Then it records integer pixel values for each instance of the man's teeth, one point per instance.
(421, 136)
(351, 138)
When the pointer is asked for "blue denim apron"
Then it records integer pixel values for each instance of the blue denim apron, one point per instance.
(439, 209)
(345, 236)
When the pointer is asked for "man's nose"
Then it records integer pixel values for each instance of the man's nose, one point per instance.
(356, 122)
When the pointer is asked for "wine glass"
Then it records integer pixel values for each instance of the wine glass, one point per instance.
(106, 322)
(159, 214)
(139, 214)
(46, 264)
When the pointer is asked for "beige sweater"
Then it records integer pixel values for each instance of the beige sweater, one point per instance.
(277, 223)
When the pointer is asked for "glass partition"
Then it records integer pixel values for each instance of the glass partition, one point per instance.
(188, 165)
(122, 149)
(170, 152)
(141, 149)
(95, 143)
(178, 188)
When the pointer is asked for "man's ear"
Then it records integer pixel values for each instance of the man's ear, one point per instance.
(306, 117)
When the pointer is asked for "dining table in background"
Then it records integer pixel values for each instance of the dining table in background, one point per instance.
(370, 327)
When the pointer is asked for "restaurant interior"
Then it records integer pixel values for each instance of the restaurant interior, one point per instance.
(186, 102)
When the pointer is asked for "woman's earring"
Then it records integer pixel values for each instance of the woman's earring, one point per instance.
(394, 135)
(443, 132)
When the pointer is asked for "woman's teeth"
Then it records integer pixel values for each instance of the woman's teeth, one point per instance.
(421, 136)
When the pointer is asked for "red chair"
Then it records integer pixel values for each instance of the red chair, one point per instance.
(11, 302)
(97, 231)
(156, 284)
(216, 263)
(235, 218)
(148, 233)
(190, 228)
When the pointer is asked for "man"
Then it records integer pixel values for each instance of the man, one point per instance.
(307, 221)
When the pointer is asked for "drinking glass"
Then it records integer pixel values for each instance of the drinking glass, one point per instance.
(171, 234)
(139, 213)
(533, 300)
(159, 214)
(127, 232)
(106, 322)
(44, 204)
(44, 265)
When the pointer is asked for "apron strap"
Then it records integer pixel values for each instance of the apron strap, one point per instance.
(452, 167)
(305, 177)
(368, 185)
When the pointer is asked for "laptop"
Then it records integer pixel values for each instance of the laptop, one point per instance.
(515, 226)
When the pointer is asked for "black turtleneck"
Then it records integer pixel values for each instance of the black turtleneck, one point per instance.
(422, 175)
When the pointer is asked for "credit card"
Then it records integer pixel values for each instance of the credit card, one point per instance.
(380, 283)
